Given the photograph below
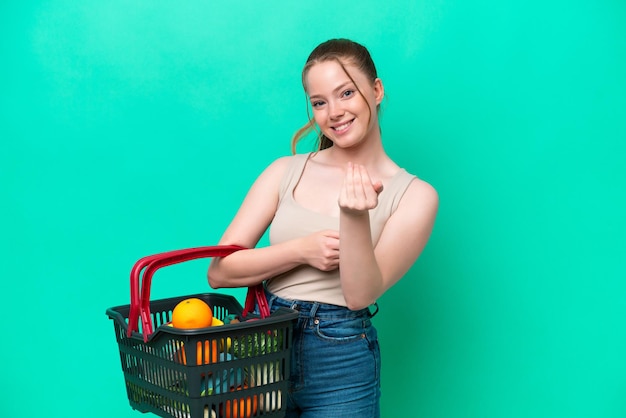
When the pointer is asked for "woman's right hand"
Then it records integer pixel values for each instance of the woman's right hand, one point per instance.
(321, 250)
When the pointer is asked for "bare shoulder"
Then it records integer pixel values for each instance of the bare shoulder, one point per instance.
(280, 164)
(275, 170)
(418, 207)
(420, 194)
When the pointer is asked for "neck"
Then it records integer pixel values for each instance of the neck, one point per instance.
(368, 153)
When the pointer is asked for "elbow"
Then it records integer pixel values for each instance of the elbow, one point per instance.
(216, 275)
(362, 299)
(214, 280)
(357, 305)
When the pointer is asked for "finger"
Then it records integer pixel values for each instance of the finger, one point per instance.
(371, 190)
(350, 184)
(366, 183)
(377, 186)
(346, 196)
(362, 181)
(367, 180)
(333, 244)
(359, 191)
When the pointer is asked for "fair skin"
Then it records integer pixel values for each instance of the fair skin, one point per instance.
(344, 181)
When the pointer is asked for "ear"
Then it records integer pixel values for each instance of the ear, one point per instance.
(379, 90)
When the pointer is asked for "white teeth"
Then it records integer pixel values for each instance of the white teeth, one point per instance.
(342, 127)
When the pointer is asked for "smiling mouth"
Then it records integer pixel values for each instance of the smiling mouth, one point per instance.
(343, 126)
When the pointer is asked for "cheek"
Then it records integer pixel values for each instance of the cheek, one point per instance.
(319, 117)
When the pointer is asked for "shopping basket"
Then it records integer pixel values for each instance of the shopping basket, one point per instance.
(240, 369)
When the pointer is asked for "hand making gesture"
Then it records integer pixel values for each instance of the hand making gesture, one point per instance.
(358, 193)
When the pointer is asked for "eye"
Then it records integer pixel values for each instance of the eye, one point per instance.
(347, 93)
(317, 103)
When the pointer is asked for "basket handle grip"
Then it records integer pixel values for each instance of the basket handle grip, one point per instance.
(256, 295)
(152, 263)
(179, 257)
(135, 273)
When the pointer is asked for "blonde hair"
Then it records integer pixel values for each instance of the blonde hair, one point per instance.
(342, 51)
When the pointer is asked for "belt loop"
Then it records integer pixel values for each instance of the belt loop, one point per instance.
(314, 308)
(375, 312)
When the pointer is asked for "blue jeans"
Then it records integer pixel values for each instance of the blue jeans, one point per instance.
(335, 363)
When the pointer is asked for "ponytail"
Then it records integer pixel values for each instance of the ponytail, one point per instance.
(322, 140)
(301, 133)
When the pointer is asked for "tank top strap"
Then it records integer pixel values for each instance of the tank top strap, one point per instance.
(392, 194)
(292, 174)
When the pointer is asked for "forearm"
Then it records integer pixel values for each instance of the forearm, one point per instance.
(361, 278)
(252, 266)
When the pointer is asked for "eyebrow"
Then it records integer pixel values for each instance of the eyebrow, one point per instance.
(340, 87)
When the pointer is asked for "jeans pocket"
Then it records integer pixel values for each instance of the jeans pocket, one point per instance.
(341, 330)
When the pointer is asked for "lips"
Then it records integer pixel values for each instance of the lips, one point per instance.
(343, 127)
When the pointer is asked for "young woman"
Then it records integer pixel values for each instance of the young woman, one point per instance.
(346, 223)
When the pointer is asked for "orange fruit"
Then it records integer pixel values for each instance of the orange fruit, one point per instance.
(192, 313)
(241, 408)
(210, 354)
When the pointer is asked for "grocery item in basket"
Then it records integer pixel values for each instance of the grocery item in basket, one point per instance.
(258, 343)
(185, 414)
(242, 407)
(192, 313)
(226, 381)
(217, 322)
(263, 374)
(208, 355)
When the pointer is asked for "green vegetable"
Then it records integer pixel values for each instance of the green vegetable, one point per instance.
(258, 344)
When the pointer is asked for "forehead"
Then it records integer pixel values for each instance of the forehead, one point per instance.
(327, 75)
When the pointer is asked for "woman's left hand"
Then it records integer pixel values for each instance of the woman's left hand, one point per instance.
(358, 193)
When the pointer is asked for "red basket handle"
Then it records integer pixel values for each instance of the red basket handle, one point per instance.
(140, 303)
(256, 294)
(169, 259)
(135, 273)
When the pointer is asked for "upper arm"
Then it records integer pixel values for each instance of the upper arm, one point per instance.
(406, 232)
(258, 207)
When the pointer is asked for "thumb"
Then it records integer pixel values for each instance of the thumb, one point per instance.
(378, 187)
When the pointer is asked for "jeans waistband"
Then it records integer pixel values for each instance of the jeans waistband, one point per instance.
(317, 309)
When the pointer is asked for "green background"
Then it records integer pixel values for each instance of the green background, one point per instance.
(134, 127)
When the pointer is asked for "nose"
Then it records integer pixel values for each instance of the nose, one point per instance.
(335, 110)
